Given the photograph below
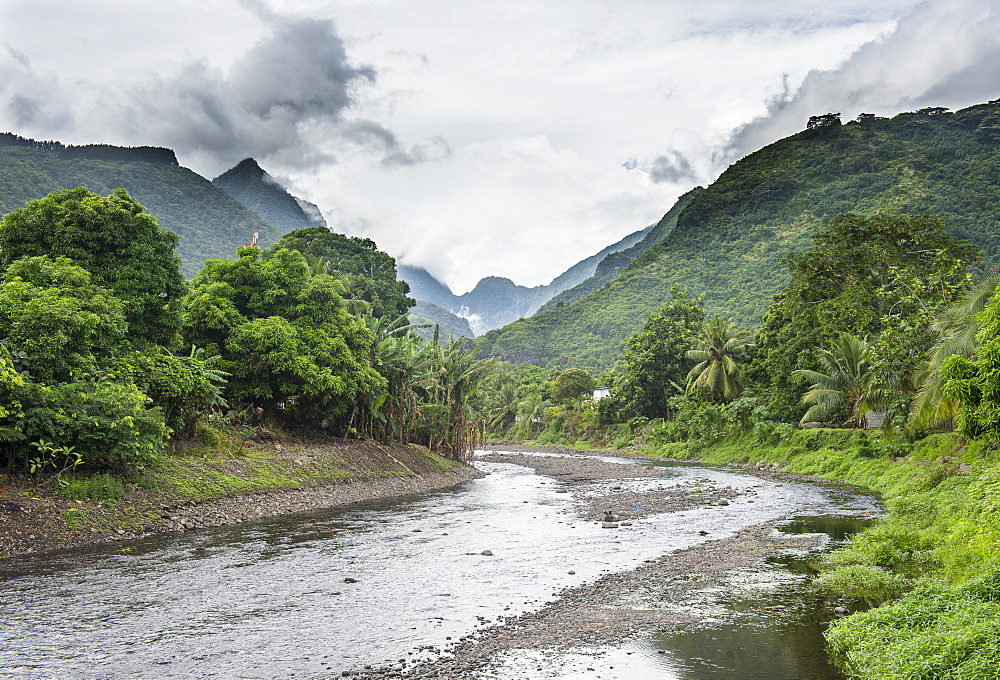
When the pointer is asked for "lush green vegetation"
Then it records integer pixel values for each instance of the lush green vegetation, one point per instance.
(732, 238)
(209, 222)
(369, 273)
(881, 319)
(106, 352)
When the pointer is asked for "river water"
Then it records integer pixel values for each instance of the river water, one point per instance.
(309, 595)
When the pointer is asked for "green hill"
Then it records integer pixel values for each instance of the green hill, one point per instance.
(730, 240)
(612, 264)
(249, 184)
(209, 221)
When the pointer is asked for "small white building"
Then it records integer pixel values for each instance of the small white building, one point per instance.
(601, 392)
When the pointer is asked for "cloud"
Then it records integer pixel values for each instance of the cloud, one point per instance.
(281, 99)
(26, 95)
(297, 77)
(367, 133)
(672, 166)
(942, 51)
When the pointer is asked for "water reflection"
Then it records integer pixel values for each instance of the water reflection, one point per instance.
(312, 594)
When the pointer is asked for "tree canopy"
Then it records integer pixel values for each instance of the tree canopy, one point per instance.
(369, 273)
(573, 383)
(114, 239)
(284, 334)
(655, 357)
(860, 272)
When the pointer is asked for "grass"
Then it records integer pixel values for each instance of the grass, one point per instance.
(934, 557)
(103, 488)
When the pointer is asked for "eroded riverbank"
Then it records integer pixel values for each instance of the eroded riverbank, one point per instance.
(262, 480)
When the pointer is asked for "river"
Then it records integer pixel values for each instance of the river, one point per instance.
(310, 595)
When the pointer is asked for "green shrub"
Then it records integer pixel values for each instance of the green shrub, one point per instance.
(934, 633)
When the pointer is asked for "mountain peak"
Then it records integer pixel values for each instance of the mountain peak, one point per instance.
(248, 167)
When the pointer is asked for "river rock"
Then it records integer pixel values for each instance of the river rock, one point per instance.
(609, 525)
(350, 580)
(488, 553)
(723, 502)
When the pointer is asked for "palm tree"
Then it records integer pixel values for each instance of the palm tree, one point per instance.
(957, 327)
(530, 411)
(717, 350)
(846, 385)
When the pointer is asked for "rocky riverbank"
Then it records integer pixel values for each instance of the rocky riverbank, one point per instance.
(189, 492)
(606, 612)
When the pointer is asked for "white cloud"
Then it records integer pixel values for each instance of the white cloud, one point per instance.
(480, 138)
(943, 53)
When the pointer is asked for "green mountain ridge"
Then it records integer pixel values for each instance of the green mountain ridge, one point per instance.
(730, 241)
(209, 221)
(614, 262)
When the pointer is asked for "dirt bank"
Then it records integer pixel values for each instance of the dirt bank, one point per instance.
(198, 489)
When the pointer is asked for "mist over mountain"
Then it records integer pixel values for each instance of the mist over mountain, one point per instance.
(496, 300)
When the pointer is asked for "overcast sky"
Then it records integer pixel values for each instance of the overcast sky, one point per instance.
(474, 138)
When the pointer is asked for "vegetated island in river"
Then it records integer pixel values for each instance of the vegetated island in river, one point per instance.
(211, 486)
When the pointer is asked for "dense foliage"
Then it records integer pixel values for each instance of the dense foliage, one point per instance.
(369, 273)
(116, 241)
(655, 366)
(285, 335)
(91, 368)
(862, 276)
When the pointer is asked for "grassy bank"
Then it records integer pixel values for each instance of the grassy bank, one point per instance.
(934, 560)
(44, 514)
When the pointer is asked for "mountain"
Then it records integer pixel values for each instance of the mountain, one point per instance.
(249, 184)
(614, 262)
(209, 221)
(450, 325)
(497, 300)
(423, 286)
(730, 241)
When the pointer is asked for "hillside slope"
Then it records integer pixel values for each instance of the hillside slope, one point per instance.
(612, 264)
(731, 239)
(209, 221)
(448, 324)
(256, 190)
